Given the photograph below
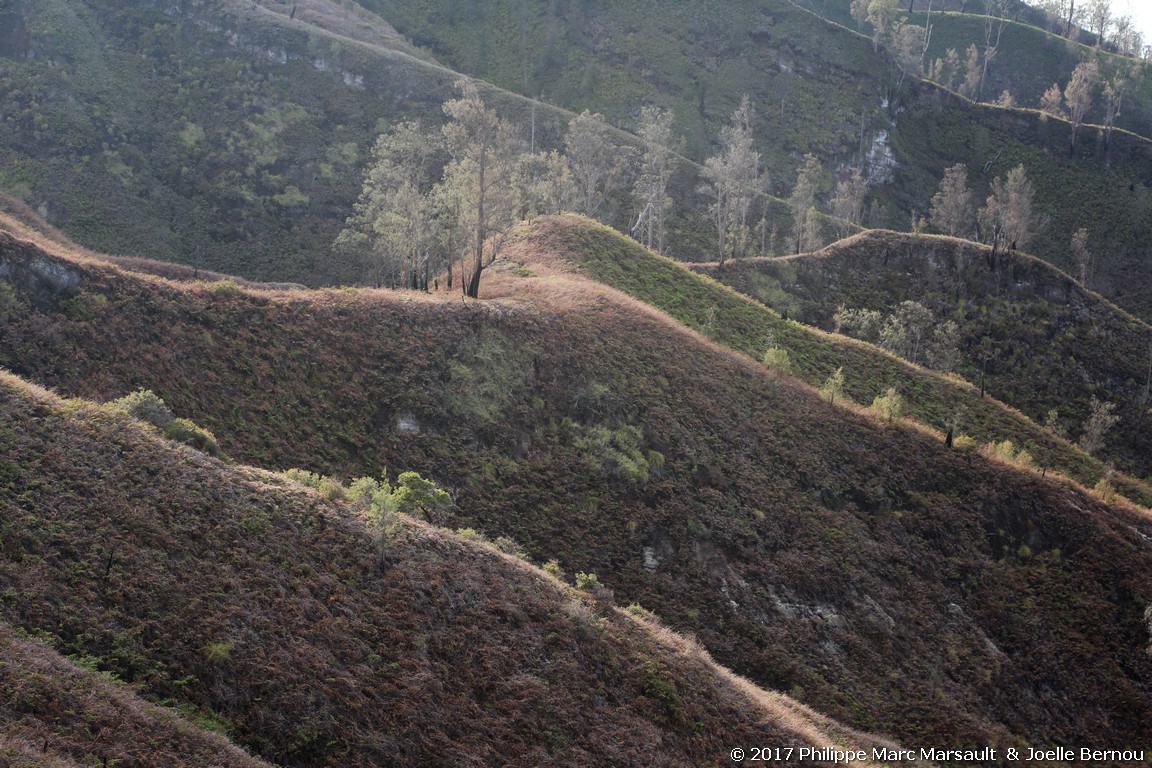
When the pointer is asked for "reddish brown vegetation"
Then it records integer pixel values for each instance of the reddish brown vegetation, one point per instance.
(890, 583)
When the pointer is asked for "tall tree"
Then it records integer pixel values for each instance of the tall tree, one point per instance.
(995, 17)
(651, 189)
(1006, 218)
(973, 73)
(393, 219)
(732, 180)
(596, 161)
(1099, 18)
(802, 201)
(848, 201)
(483, 147)
(1078, 95)
(1082, 255)
(544, 181)
(951, 210)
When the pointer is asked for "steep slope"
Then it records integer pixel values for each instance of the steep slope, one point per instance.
(55, 714)
(232, 135)
(818, 87)
(894, 585)
(743, 325)
(244, 595)
(223, 135)
(1051, 344)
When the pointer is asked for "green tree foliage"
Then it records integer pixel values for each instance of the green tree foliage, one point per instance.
(596, 162)
(479, 179)
(951, 210)
(910, 331)
(651, 188)
(733, 179)
(889, 406)
(833, 386)
(802, 201)
(1101, 420)
(395, 218)
(1007, 218)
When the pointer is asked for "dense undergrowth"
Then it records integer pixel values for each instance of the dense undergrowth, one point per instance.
(749, 327)
(1043, 343)
(56, 713)
(894, 585)
(262, 610)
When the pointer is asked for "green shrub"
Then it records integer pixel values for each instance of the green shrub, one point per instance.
(145, 405)
(619, 451)
(509, 546)
(1105, 489)
(332, 489)
(777, 359)
(889, 406)
(218, 653)
(471, 534)
(418, 497)
(304, 477)
(188, 433)
(833, 386)
(1007, 451)
(588, 581)
(963, 443)
(552, 567)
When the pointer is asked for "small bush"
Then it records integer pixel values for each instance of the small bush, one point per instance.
(777, 359)
(471, 534)
(1105, 490)
(963, 443)
(889, 406)
(304, 477)
(1007, 451)
(188, 433)
(833, 386)
(509, 546)
(588, 581)
(552, 567)
(218, 653)
(332, 489)
(145, 405)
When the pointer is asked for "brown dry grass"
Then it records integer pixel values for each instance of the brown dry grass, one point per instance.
(767, 497)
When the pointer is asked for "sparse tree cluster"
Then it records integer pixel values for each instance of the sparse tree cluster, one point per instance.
(733, 179)
(437, 202)
(1109, 29)
(1007, 220)
(909, 331)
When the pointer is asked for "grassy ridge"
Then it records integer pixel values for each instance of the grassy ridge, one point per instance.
(749, 327)
(1056, 346)
(792, 537)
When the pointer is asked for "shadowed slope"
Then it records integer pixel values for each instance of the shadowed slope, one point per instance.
(236, 591)
(55, 714)
(1052, 344)
(892, 584)
(749, 327)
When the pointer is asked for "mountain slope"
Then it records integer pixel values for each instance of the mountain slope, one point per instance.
(1052, 344)
(240, 593)
(896, 586)
(56, 714)
(743, 325)
(232, 136)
